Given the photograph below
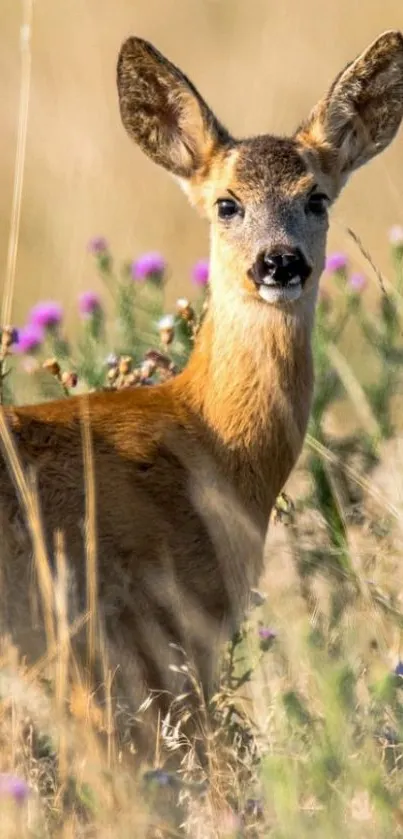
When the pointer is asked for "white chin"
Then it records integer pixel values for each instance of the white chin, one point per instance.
(275, 294)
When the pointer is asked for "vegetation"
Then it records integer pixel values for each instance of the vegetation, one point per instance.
(305, 736)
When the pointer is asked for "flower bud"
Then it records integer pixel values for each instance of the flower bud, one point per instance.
(52, 366)
(167, 330)
(125, 365)
(69, 379)
(185, 310)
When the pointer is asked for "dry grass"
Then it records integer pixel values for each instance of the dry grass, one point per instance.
(266, 761)
(261, 64)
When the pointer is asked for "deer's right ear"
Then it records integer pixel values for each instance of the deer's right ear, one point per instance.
(163, 112)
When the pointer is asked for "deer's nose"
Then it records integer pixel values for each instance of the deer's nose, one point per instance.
(279, 267)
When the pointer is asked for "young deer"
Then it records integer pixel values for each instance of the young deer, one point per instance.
(186, 473)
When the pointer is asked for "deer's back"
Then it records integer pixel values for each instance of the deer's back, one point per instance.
(168, 530)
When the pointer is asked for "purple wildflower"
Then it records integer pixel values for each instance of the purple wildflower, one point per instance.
(89, 303)
(267, 634)
(201, 272)
(336, 263)
(46, 315)
(399, 668)
(357, 283)
(98, 245)
(30, 338)
(396, 236)
(149, 265)
(13, 787)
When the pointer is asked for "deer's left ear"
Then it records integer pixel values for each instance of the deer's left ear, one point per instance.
(362, 111)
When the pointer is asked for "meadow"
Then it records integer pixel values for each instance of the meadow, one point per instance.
(304, 737)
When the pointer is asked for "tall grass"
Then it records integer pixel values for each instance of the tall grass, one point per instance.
(304, 736)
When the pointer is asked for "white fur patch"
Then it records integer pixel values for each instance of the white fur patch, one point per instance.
(271, 294)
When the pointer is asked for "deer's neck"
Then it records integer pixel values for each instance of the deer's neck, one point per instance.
(250, 380)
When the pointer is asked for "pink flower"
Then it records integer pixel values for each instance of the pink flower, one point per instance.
(267, 634)
(30, 338)
(148, 265)
(46, 315)
(98, 245)
(13, 787)
(201, 272)
(336, 263)
(89, 303)
(357, 283)
(396, 236)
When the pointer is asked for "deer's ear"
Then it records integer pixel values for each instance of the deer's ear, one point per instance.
(362, 111)
(163, 112)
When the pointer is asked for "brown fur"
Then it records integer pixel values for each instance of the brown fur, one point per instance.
(186, 473)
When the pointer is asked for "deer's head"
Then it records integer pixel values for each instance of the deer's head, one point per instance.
(267, 198)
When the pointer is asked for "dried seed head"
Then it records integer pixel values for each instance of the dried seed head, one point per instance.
(166, 328)
(69, 379)
(125, 365)
(52, 366)
(113, 373)
(147, 368)
(9, 336)
(184, 309)
(132, 379)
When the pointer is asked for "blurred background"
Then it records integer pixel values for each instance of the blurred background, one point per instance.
(261, 64)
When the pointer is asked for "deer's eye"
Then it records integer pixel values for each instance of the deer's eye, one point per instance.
(227, 208)
(317, 204)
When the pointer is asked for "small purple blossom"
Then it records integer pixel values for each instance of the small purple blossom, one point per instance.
(46, 315)
(336, 263)
(13, 787)
(357, 283)
(267, 634)
(89, 303)
(148, 265)
(266, 637)
(30, 338)
(98, 245)
(396, 236)
(201, 272)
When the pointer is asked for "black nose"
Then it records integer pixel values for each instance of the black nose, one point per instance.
(281, 267)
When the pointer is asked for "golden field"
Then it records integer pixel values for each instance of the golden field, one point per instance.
(261, 64)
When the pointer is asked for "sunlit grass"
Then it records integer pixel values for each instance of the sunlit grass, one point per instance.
(304, 736)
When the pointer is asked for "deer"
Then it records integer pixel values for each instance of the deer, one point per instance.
(186, 472)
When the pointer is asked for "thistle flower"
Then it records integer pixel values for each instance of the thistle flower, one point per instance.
(98, 245)
(266, 636)
(357, 283)
(30, 339)
(46, 315)
(89, 304)
(201, 272)
(396, 236)
(336, 263)
(149, 266)
(13, 787)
